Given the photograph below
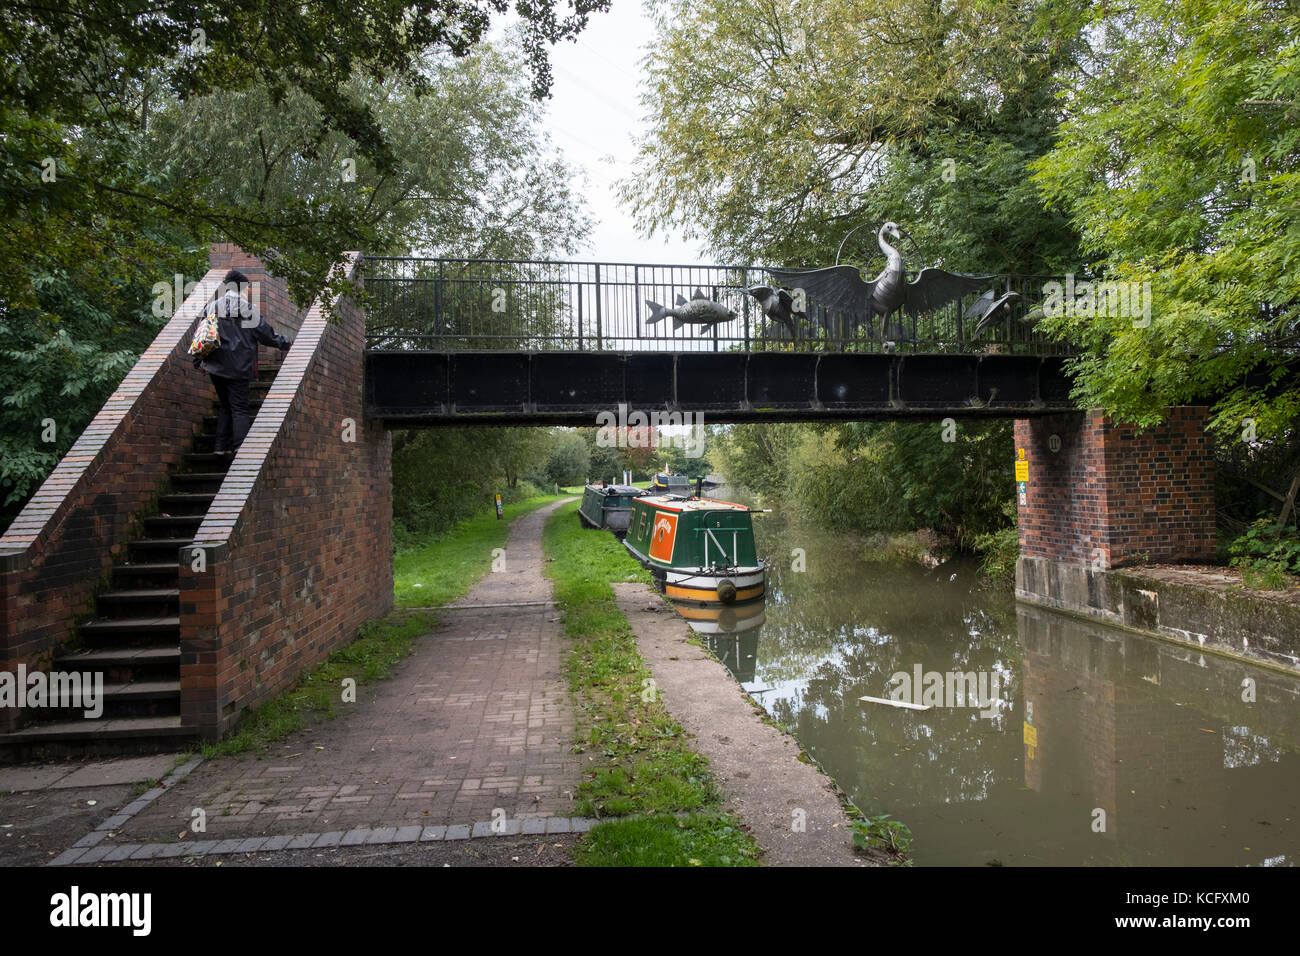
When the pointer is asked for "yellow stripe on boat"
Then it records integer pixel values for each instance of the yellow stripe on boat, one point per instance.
(709, 594)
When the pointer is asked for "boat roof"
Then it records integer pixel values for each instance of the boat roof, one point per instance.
(678, 503)
(616, 489)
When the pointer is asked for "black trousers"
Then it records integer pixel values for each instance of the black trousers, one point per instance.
(232, 415)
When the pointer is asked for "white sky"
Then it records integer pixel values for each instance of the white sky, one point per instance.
(593, 114)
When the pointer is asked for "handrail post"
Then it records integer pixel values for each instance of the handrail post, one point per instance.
(744, 298)
(437, 302)
(579, 312)
(598, 311)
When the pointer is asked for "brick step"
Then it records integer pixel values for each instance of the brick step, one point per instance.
(130, 632)
(198, 482)
(145, 575)
(122, 664)
(186, 503)
(172, 526)
(157, 550)
(135, 698)
(206, 461)
(78, 736)
(140, 602)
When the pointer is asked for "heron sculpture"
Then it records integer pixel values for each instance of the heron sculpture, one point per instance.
(843, 288)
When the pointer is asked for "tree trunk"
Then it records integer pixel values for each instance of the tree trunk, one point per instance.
(1288, 504)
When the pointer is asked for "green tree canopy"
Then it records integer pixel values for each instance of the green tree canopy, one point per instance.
(81, 82)
(1179, 162)
(776, 129)
(476, 176)
(569, 461)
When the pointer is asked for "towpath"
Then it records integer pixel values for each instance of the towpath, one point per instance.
(474, 727)
(791, 808)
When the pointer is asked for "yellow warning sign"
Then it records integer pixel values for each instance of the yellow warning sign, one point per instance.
(1031, 735)
(1022, 470)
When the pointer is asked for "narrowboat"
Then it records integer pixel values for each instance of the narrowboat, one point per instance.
(667, 484)
(608, 507)
(671, 485)
(697, 549)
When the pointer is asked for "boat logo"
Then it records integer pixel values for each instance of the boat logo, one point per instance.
(661, 537)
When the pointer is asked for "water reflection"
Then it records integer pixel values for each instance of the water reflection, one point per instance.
(730, 634)
(1104, 748)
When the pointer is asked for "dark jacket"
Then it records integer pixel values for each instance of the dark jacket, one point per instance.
(241, 328)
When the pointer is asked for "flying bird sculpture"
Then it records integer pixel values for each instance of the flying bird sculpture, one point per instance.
(842, 287)
(778, 305)
(991, 307)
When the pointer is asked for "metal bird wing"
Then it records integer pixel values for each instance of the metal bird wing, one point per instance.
(935, 288)
(988, 306)
(839, 287)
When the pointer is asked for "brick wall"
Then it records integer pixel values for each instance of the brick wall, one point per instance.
(1110, 495)
(297, 547)
(298, 543)
(60, 548)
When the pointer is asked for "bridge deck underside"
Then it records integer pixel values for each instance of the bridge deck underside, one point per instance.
(415, 388)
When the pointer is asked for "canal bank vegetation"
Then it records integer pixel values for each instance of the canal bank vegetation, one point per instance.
(439, 567)
(916, 490)
(443, 476)
(638, 763)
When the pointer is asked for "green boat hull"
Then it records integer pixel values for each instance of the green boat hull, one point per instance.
(608, 508)
(697, 549)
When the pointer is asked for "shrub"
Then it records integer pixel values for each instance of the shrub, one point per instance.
(1267, 554)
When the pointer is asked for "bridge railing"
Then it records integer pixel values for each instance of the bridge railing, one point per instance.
(537, 305)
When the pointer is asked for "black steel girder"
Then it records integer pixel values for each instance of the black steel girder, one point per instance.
(412, 388)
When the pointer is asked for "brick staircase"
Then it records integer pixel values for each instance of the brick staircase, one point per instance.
(134, 638)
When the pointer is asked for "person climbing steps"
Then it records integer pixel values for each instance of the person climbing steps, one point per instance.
(233, 363)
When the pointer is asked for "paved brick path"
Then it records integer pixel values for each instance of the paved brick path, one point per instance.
(476, 720)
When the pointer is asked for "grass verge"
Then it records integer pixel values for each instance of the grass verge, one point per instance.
(638, 759)
(700, 839)
(379, 645)
(449, 564)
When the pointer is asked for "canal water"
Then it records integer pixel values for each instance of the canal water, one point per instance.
(1062, 742)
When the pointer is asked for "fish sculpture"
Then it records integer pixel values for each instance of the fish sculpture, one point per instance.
(700, 310)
